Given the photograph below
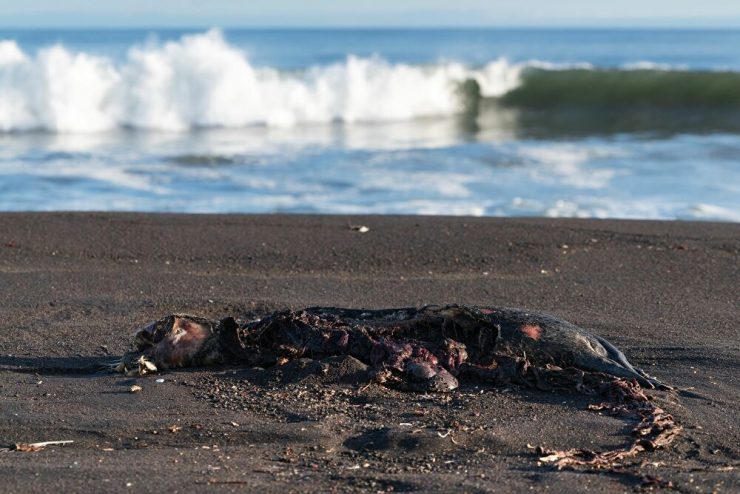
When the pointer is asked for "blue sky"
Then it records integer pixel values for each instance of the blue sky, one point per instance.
(350, 13)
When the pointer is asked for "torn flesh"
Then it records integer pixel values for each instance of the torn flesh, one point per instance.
(406, 345)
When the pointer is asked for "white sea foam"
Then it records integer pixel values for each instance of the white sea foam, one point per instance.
(713, 212)
(441, 184)
(202, 80)
(570, 165)
(647, 65)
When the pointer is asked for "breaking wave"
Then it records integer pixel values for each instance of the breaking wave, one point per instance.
(203, 81)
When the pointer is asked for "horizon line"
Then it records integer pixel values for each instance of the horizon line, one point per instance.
(584, 27)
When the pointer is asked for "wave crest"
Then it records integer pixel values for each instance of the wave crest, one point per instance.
(201, 80)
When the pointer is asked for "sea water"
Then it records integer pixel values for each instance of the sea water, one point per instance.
(579, 123)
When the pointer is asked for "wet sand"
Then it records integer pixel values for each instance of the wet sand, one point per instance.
(73, 287)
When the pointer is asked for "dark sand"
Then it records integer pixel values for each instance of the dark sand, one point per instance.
(73, 287)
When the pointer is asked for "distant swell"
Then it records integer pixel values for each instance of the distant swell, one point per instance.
(202, 81)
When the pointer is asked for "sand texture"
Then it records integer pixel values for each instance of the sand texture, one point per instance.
(73, 287)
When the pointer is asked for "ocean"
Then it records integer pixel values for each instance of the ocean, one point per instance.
(496, 122)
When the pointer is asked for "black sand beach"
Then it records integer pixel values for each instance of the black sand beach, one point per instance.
(73, 287)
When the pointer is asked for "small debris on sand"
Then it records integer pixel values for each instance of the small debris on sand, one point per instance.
(135, 388)
(34, 447)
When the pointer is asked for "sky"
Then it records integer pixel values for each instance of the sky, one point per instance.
(368, 13)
